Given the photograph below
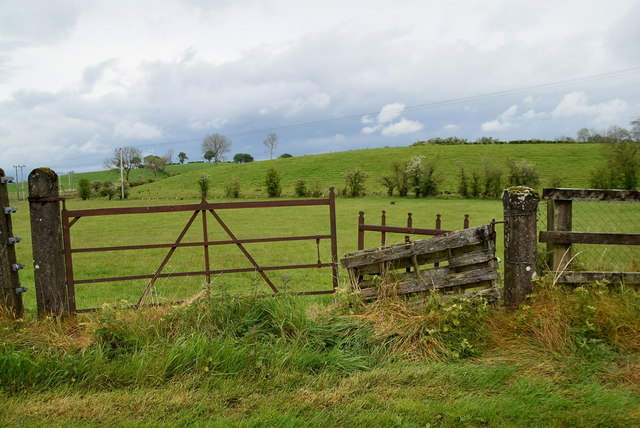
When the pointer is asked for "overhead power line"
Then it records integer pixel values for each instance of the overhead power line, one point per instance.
(424, 106)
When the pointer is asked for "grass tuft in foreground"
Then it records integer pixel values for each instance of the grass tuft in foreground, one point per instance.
(568, 358)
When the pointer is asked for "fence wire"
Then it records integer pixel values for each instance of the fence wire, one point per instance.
(601, 217)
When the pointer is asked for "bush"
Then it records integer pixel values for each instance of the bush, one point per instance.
(204, 181)
(354, 181)
(272, 183)
(400, 176)
(621, 169)
(492, 179)
(232, 188)
(522, 173)
(389, 183)
(84, 189)
(301, 188)
(315, 191)
(109, 189)
(423, 177)
(463, 182)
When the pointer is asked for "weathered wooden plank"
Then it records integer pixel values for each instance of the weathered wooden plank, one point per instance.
(590, 238)
(425, 246)
(631, 278)
(437, 282)
(471, 254)
(400, 229)
(591, 195)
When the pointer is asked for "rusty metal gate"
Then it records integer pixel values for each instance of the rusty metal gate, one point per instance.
(203, 209)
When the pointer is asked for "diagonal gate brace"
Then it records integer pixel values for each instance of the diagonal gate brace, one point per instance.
(244, 251)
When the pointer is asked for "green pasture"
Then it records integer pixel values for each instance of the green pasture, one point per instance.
(574, 162)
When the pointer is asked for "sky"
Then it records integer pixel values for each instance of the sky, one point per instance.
(81, 78)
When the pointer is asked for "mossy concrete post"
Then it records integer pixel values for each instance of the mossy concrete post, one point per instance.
(520, 241)
(47, 241)
(10, 289)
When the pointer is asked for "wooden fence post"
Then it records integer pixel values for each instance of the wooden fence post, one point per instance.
(48, 247)
(559, 219)
(520, 241)
(10, 290)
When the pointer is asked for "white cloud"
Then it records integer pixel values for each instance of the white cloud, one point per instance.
(382, 123)
(136, 130)
(371, 129)
(494, 125)
(503, 121)
(390, 112)
(577, 104)
(451, 127)
(404, 126)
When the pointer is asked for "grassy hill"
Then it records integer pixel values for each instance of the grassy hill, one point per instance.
(573, 161)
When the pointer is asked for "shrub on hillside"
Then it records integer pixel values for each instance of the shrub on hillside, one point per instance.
(204, 182)
(522, 173)
(301, 188)
(272, 183)
(315, 191)
(84, 189)
(355, 182)
(232, 188)
(423, 177)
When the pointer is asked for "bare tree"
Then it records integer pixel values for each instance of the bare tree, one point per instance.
(126, 157)
(218, 145)
(271, 142)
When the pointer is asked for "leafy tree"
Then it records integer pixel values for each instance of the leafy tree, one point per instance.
(182, 156)
(272, 183)
(242, 158)
(635, 129)
(215, 146)
(399, 170)
(388, 182)
(155, 163)
(621, 169)
(270, 143)
(285, 155)
(84, 189)
(414, 170)
(126, 157)
(354, 180)
(430, 179)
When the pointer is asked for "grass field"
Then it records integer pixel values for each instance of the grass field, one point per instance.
(574, 162)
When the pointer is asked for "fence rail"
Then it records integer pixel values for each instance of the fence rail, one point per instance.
(561, 237)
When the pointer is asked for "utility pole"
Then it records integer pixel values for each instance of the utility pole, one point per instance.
(17, 186)
(22, 180)
(121, 175)
(19, 179)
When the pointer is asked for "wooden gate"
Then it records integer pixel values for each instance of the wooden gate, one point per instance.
(461, 260)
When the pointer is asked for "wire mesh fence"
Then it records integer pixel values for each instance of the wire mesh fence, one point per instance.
(600, 217)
